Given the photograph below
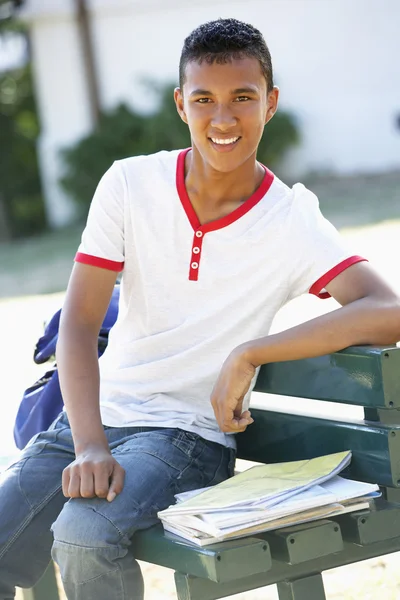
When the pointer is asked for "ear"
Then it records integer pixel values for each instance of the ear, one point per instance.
(272, 103)
(178, 97)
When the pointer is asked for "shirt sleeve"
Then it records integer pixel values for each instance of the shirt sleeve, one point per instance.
(102, 243)
(318, 253)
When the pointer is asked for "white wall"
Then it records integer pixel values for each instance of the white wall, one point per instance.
(336, 62)
(63, 105)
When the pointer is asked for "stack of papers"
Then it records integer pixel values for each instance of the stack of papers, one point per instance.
(267, 497)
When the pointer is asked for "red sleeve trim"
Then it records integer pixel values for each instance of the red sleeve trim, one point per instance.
(325, 279)
(95, 261)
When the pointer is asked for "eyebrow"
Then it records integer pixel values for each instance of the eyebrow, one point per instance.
(246, 90)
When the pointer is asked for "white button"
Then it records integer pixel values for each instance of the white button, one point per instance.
(199, 234)
(196, 250)
(195, 265)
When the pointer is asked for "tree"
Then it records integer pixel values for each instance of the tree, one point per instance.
(21, 204)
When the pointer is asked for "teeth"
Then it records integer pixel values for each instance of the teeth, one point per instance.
(230, 141)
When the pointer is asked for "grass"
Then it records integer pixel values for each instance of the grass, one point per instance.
(38, 265)
(358, 201)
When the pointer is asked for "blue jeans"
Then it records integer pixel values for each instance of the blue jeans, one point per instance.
(92, 537)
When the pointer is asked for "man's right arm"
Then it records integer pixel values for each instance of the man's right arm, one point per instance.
(94, 471)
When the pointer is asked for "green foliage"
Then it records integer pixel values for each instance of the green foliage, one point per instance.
(280, 134)
(8, 21)
(119, 134)
(123, 132)
(20, 188)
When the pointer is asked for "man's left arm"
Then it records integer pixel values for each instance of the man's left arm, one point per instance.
(370, 314)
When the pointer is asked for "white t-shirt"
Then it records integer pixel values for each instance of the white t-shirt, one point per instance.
(189, 293)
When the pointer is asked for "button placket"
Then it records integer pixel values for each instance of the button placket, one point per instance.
(196, 255)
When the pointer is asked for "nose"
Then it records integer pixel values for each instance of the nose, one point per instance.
(223, 118)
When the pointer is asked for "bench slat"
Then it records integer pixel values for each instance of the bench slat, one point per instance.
(305, 542)
(362, 376)
(239, 558)
(370, 526)
(281, 437)
(195, 588)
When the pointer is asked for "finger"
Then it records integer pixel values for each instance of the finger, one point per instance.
(244, 422)
(101, 483)
(87, 483)
(237, 419)
(116, 483)
(231, 426)
(74, 487)
(237, 424)
(228, 420)
(241, 429)
(65, 482)
(246, 415)
(234, 428)
(229, 408)
(239, 406)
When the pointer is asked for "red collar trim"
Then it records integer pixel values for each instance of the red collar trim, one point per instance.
(228, 219)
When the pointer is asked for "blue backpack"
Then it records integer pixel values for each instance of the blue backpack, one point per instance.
(42, 402)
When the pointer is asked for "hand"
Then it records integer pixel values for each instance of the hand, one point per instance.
(229, 391)
(94, 472)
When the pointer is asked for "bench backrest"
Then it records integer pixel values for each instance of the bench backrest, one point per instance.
(364, 376)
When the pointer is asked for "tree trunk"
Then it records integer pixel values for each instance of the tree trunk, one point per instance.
(83, 19)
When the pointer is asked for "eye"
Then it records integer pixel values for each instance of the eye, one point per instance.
(203, 100)
(241, 98)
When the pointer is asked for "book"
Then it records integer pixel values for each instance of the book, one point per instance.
(264, 485)
(338, 490)
(267, 497)
(201, 538)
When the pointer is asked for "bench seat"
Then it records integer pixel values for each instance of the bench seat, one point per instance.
(284, 556)
(294, 558)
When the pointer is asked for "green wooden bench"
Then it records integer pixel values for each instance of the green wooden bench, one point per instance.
(294, 558)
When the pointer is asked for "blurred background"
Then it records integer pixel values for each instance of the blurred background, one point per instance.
(85, 82)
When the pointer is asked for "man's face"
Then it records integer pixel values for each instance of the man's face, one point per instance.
(226, 107)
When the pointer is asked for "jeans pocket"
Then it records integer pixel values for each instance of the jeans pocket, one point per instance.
(216, 463)
(155, 444)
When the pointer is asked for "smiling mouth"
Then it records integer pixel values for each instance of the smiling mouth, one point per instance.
(224, 145)
(224, 142)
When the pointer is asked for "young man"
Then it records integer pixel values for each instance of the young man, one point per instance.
(210, 244)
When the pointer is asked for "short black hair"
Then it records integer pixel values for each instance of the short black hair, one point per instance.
(221, 41)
